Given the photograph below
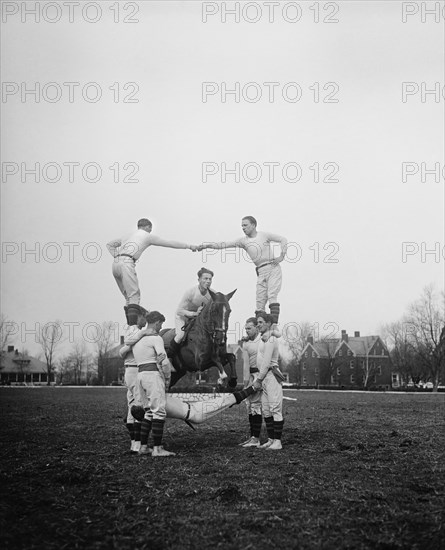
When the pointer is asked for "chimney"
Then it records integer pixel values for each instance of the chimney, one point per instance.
(10, 348)
(122, 340)
(357, 334)
(310, 340)
(344, 336)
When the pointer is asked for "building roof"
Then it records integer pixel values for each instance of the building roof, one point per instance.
(362, 345)
(14, 362)
(326, 348)
(359, 345)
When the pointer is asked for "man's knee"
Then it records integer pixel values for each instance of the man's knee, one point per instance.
(179, 336)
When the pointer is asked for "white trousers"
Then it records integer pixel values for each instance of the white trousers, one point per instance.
(179, 328)
(151, 393)
(130, 379)
(253, 402)
(124, 271)
(268, 285)
(199, 411)
(272, 397)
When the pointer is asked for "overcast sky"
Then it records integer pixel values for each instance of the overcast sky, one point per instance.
(336, 105)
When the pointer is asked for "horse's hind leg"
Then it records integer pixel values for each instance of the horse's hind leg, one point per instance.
(175, 376)
(178, 370)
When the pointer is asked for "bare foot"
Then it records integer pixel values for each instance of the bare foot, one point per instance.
(144, 450)
(267, 444)
(160, 451)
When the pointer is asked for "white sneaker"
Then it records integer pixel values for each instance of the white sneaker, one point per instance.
(136, 446)
(252, 442)
(267, 444)
(160, 451)
(276, 446)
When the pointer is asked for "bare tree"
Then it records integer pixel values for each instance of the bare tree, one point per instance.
(64, 370)
(49, 338)
(427, 319)
(369, 370)
(79, 358)
(106, 338)
(295, 340)
(397, 336)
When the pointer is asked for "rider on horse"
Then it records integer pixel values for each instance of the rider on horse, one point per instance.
(190, 307)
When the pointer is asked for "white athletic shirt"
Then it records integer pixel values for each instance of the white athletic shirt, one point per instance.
(267, 355)
(148, 349)
(251, 349)
(192, 300)
(137, 242)
(258, 248)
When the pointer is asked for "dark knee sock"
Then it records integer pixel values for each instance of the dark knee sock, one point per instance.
(137, 431)
(251, 424)
(158, 430)
(130, 428)
(278, 428)
(270, 427)
(257, 420)
(241, 395)
(275, 311)
(145, 431)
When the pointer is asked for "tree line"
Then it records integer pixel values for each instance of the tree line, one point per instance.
(416, 343)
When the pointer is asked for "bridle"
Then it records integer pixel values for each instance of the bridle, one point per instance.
(215, 331)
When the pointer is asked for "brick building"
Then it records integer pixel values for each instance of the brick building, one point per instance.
(349, 362)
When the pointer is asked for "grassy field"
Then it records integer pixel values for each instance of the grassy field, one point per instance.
(358, 470)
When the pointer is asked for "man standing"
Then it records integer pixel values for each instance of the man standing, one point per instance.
(191, 306)
(126, 251)
(250, 350)
(272, 394)
(154, 372)
(257, 244)
(136, 321)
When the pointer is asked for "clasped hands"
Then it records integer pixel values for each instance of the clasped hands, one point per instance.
(257, 385)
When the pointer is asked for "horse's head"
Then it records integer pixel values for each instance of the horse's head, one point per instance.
(218, 313)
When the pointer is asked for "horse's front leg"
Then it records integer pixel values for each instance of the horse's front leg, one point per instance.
(230, 360)
(222, 373)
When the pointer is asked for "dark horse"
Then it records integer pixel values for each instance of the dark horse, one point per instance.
(205, 342)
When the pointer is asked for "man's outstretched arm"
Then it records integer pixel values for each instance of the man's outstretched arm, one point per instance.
(220, 245)
(157, 241)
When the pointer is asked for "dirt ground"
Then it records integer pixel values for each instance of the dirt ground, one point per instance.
(357, 470)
